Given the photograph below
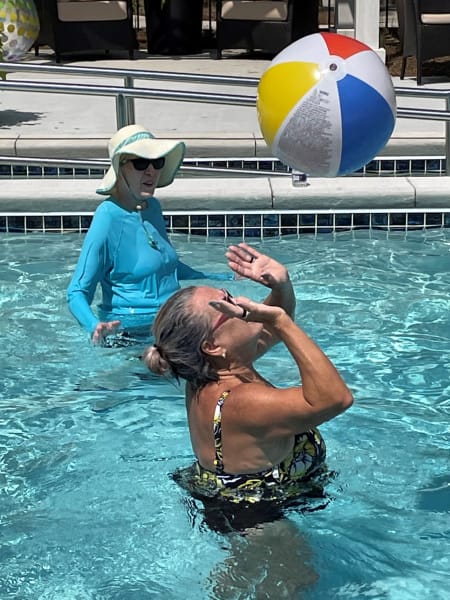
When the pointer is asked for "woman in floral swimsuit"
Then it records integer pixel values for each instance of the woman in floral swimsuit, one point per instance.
(253, 441)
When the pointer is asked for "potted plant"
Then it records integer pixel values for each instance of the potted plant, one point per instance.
(174, 26)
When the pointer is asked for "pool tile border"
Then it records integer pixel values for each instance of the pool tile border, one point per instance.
(244, 225)
(240, 206)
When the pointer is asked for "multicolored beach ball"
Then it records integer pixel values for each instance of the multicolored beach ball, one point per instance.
(326, 105)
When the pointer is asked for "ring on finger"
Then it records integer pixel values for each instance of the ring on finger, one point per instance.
(244, 314)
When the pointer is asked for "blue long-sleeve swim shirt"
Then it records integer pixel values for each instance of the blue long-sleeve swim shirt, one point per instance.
(129, 254)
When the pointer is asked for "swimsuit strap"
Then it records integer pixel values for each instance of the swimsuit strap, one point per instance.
(217, 431)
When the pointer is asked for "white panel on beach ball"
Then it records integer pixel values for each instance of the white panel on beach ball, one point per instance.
(326, 105)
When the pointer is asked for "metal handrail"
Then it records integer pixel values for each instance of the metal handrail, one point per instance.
(126, 93)
(132, 73)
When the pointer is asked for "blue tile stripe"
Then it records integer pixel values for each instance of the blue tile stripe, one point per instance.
(245, 225)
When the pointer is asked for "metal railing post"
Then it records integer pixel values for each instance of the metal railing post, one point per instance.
(130, 116)
(121, 110)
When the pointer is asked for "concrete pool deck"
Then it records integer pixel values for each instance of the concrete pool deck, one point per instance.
(49, 125)
(242, 194)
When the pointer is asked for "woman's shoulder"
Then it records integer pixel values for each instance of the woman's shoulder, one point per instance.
(107, 213)
(107, 207)
(256, 404)
(241, 398)
(253, 391)
(105, 223)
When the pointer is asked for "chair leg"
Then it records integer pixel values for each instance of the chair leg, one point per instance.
(419, 60)
(403, 69)
(419, 72)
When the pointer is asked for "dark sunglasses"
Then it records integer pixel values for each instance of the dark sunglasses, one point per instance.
(140, 164)
(223, 317)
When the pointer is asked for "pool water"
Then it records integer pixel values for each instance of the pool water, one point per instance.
(89, 440)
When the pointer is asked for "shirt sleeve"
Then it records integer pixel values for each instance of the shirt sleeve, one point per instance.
(88, 272)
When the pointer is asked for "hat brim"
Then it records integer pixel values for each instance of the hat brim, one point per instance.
(173, 151)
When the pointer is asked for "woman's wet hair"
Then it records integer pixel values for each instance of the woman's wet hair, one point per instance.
(179, 332)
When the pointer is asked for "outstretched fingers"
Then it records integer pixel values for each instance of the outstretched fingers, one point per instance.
(245, 261)
(242, 253)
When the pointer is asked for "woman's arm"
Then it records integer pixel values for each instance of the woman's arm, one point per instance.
(323, 394)
(247, 262)
(88, 272)
(283, 412)
(81, 291)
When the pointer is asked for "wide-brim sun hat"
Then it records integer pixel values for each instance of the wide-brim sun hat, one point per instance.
(135, 140)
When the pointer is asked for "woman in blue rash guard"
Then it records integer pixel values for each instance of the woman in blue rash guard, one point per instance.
(126, 249)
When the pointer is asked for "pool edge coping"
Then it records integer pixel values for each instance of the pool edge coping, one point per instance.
(75, 195)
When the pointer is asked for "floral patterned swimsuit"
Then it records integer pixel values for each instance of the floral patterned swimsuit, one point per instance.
(279, 482)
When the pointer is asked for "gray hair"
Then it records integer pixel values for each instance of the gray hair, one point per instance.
(179, 333)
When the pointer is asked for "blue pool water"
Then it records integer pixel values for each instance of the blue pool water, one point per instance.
(88, 440)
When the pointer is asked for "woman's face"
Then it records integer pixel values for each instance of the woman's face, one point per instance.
(237, 335)
(141, 175)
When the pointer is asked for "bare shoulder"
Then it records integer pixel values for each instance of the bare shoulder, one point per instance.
(259, 405)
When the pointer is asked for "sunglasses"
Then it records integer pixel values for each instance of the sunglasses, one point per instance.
(140, 164)
(227, 297)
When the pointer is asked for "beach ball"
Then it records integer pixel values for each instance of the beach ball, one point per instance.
(326, 105)
(19, 28)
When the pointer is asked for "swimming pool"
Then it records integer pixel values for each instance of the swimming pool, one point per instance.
(88, 440)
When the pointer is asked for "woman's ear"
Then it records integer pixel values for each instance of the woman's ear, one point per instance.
(211, 349)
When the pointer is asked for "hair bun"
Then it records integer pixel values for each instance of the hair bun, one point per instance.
(154, 360)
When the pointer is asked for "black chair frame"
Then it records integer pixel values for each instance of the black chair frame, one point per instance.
(433, 40)
(72, 37)
(268, 36)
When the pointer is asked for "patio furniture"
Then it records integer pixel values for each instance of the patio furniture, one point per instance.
(267, 25)
(173, 26)
(424, 31)
(72, 26)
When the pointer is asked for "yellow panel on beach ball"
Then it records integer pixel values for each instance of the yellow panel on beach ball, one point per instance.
(279, 90)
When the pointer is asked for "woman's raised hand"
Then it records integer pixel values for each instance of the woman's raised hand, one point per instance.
(247, 262)
(248, 310)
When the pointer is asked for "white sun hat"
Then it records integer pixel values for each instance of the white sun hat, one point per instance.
(135, 140)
